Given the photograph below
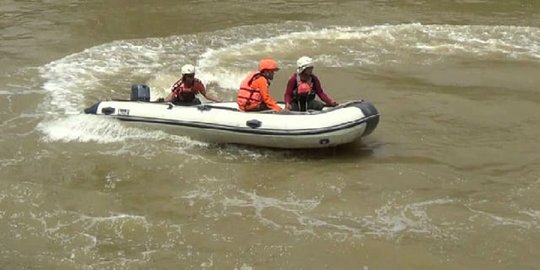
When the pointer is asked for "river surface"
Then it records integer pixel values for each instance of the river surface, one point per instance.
(450, 179)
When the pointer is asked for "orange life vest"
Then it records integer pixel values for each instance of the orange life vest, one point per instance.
(249, 98)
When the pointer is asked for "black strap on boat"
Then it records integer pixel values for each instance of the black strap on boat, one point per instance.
(107, 110)
(204, 108)
(253, 123)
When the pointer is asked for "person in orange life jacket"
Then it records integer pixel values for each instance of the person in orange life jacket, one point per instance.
(183, 92)
(302, 88)
(253, 94)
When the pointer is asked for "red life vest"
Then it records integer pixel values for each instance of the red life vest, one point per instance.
(185, 93)
(249, 98)
(304, 89)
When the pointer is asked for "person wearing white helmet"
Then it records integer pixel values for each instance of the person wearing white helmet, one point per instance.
(303, 87)
(183, 92)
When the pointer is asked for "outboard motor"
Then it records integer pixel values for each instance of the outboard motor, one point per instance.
(140, 92)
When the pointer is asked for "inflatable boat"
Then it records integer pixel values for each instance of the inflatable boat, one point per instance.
(224, 123)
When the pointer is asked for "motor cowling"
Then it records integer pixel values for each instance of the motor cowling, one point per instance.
(140, 92)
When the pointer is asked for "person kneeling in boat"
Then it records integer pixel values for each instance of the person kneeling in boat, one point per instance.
(184, 90)
(302, 88)
(253, 94)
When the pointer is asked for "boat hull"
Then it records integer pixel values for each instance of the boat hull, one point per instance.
(223, 123)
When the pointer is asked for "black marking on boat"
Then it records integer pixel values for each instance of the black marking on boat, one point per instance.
(369, 110)
(92, 109)
(253, 123)
(107, 110)
(204, 108)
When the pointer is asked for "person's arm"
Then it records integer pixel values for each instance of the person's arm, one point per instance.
(289, 92)
(322, 95)
(201, 89)
(172, 96)
(262, 85)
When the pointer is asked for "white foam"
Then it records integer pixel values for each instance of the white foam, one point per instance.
(293, 206)
(532, 213)
(390, 221)
(226, 62)
(86, 128)
(70, 79)
(356, 46)
(525, 223)
(224, 57)
(408, 218)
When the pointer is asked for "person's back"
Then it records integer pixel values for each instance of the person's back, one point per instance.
(253, 94)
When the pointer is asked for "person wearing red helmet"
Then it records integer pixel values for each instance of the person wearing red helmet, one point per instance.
(253, 94)
(183, 92)
(302, 88)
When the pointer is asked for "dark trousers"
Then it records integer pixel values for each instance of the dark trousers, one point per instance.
(261, 107)
(304, 105)
(194, 102)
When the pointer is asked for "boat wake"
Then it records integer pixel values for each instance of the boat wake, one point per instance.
(223, 57)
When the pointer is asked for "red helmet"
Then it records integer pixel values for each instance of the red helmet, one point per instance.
(268, 64)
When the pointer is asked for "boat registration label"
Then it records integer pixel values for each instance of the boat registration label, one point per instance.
(124, 112)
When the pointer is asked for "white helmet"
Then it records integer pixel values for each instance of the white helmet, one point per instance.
(303, 63)
(188, 69)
